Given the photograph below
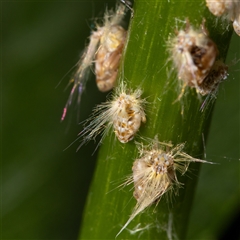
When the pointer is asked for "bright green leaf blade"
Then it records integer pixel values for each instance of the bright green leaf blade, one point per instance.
(145, 64)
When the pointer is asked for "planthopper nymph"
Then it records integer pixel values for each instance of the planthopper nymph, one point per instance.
(154, 173)
(104, 51)
(123, 113)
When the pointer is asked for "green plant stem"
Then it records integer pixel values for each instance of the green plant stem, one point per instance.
(146, 65)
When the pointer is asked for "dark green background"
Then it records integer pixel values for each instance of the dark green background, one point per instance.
(44, 187)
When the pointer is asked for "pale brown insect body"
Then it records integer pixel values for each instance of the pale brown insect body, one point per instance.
(124, 113)
(128, 116)
(193, 54)
(229, 8)
(236, 25)
(108, 57)
(154, 173)
(105, 50)
(216, 7)
(155, 170)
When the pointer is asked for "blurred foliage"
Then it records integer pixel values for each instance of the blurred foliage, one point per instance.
(43, 188)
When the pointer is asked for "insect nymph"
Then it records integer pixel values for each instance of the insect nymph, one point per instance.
(124, 113)
(229, 8)
(105, 50)
(193, 54)
(154, 173)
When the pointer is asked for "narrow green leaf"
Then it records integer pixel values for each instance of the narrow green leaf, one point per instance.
(146, 65)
